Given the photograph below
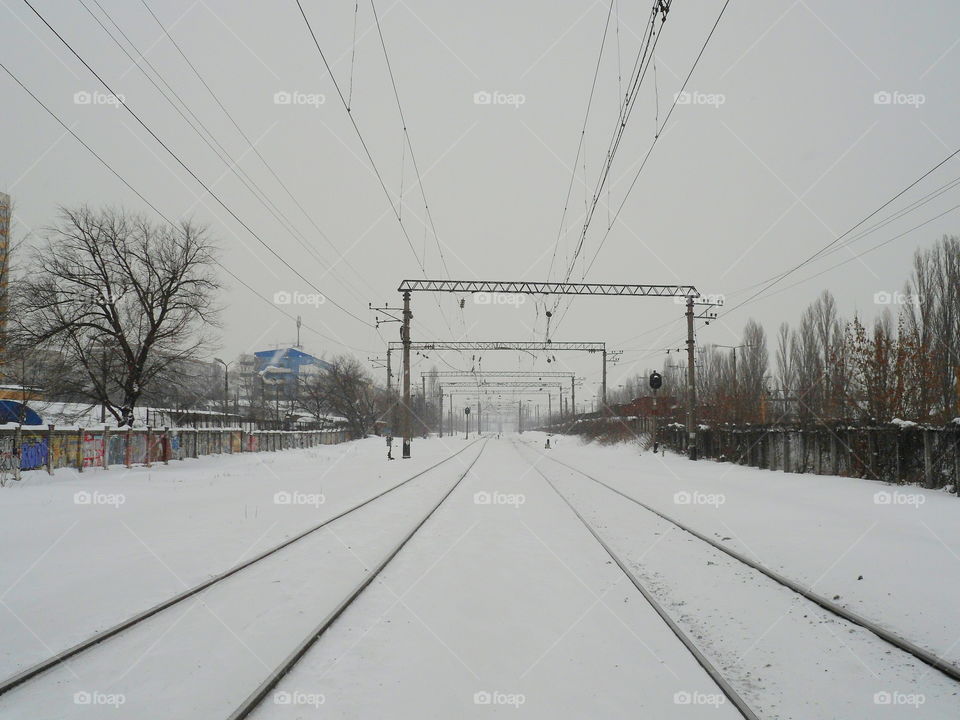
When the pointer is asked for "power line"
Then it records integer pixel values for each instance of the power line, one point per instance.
(837, 239)
(153, 207)
(653, 144)
(220, 151)
(252, 146)
(366, 149)
(641, 65)
(185, 166)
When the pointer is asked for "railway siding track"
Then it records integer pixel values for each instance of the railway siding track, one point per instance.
(926, 656)
(722, 683)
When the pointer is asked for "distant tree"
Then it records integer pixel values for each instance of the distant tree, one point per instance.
(345, 389)
(932, 316)
(123, 300)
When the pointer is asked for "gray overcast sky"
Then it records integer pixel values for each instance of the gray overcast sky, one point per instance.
(733, 193)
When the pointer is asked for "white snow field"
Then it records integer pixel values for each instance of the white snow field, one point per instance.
(502, 604)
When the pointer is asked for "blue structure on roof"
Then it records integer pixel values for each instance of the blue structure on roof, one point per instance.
(10, 412)
(285, 366)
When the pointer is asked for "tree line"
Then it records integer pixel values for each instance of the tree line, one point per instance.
(904, 365)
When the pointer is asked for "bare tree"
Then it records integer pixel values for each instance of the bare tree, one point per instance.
(346, 389)
(122, 299)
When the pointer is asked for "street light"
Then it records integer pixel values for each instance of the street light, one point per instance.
(226, 386)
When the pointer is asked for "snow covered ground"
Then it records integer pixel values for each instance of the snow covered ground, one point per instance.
(502, 604)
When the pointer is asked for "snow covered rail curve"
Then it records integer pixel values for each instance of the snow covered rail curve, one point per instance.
(35, 670)
(926, 656)
(270, 682)
(728, 690)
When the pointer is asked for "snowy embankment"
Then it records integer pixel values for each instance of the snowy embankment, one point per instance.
(891, 553)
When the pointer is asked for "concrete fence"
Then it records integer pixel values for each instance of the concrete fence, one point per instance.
(927, 456)
(32, 448)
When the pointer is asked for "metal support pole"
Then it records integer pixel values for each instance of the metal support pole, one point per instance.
(478, 416)
(440, 411)
(407, 315)
(549, 407)
(520, 417)
(573, 394)
(603, 391)
(425, 420)
(691, 386)
(450, 416)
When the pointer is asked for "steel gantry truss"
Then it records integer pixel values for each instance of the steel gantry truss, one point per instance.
(487, 391)
(486, 386)
(482, 378)
(545, 288)
(689, 292)
(522, 346)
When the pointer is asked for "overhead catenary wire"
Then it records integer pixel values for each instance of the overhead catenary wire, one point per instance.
(653, 144)
(366, 149)
(155, 209)
(186, 167)
(209, 139)
(253, 147)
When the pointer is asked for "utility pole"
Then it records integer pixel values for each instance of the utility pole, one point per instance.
(691, 386)
(450, 415)
(603, 391)
(440, 411)
(405, 331)
(549, 407)
(425, 419)
(573, 395)
(520, 416)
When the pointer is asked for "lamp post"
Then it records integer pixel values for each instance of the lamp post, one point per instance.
(226, 387)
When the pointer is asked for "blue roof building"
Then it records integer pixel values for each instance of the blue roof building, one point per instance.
(287, 367)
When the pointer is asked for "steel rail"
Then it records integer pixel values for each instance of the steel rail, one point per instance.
(948, 668)
(51, 662)
(728, 690)
(270, 682)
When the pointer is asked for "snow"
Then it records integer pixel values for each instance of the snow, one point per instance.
(903, 423)
(503, 603)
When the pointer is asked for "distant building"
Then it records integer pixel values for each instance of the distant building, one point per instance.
(287, 368)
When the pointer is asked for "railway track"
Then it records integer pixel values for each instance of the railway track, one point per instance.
(37, 669)
(722, 683)
(927, 657)
(256, 697)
